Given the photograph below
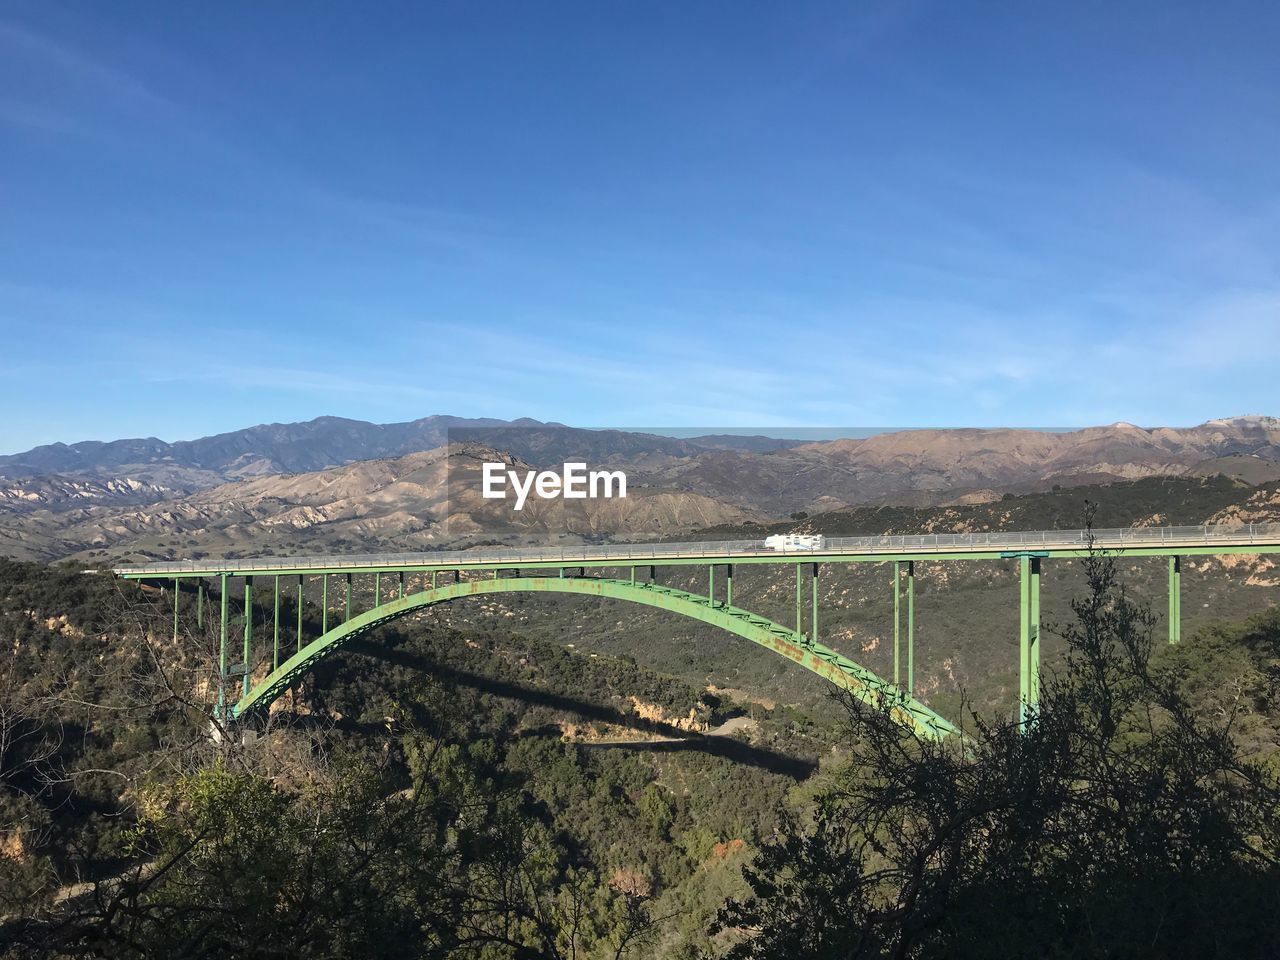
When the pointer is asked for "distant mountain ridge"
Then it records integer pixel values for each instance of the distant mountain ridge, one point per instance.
(266, 448)
(338, 484)
(333, 441)
(924, 467)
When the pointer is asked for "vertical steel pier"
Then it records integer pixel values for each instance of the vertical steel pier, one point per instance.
(1028, 635)
(814, 636)
(224, 600)
(1175, 599)
(248, 630)
(275, 641)
(911, 624)
(897, 622)
(911, 627)
(298, 637)
(799, 620)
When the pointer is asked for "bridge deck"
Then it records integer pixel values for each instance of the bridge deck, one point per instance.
(1133, 541)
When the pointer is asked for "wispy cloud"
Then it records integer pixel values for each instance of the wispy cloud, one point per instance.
(68, 91)
(81, 68)
(289, 379)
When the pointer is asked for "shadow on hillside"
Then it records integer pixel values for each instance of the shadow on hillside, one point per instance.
(738, 751)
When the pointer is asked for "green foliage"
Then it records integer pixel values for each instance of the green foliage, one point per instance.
(353, 868)
(229, 863)
(1124, 822)
(426, 800)
(82, 709)
(444, 813)
(1229, 675)
(1177, 500)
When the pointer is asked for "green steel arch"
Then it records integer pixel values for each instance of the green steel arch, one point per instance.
(825, 662)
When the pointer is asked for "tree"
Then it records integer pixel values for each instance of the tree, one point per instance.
(30, 739)
(1120, 823)
(231, 864)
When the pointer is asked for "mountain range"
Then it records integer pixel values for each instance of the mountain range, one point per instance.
(336, 484)
(332, 441)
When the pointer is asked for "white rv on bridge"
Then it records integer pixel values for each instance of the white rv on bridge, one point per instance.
(789, 542)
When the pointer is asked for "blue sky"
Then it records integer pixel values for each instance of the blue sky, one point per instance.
(712, 214)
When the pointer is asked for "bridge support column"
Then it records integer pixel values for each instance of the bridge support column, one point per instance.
(324, 603)
(799, 620)
(728, 584)
(711, 585)
(401, 584)
(911, 627)
(1029, 638)
(200, 604)
(248, 629)
(1175, 599)
(897, 623)
(814, 636)
(301, 587)
(224, 601)
(377, 589)
(176, 594)
(275, 636)
(347, 615)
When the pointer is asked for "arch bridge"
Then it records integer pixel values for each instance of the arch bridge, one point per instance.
(405, 583)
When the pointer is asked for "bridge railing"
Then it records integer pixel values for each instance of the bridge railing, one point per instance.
(1118, 538)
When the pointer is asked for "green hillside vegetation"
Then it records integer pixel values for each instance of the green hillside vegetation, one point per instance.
(524, 776)
(1125, 819)
(436, 792)
(108, 771)
(1153, 501)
